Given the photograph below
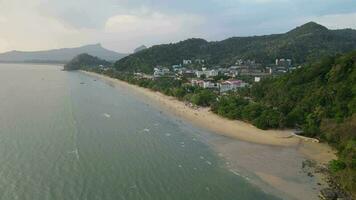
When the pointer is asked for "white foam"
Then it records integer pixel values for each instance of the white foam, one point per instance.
(208, 162)
(180, 166)
(75, 152)
(107, 115)
(236, 173)
(146, 130)
(202, 157)
(168, 134)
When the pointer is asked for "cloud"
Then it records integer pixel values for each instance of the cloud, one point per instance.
(23, 28)
(123, 25)
(153, 24)
(337, 21)
(149, 28)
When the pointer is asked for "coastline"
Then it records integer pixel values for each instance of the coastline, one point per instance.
(240, 130)
(250, 141)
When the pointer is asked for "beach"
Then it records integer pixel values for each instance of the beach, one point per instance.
(273, 156)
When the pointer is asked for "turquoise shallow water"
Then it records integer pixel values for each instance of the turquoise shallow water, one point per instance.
(65, 135)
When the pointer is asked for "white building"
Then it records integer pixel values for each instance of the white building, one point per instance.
(159, 72)
(257, 79)
(284, 62)
(207, 73)
(210, 85)
(232, 85)
(187, 62)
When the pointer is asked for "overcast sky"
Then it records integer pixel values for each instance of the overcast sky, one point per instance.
(122, 25)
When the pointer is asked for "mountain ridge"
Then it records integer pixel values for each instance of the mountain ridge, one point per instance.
(304, 43)
(61, 55)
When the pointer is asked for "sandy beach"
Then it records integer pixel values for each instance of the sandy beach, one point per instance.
(204, 118)
(247, 147)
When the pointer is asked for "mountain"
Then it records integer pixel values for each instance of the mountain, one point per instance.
(60, 55)
(140, 48)
(85, 60)
(305, 43)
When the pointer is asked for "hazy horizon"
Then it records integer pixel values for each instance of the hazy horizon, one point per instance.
(122, 26)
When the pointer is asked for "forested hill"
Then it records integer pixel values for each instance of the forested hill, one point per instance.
(305, 43)
(85, 60)
(321, 99)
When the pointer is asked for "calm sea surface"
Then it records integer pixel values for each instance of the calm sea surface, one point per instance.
(67, 136)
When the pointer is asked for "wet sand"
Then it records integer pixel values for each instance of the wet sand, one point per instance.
(272, 158)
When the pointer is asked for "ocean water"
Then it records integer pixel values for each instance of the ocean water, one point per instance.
(66, 135)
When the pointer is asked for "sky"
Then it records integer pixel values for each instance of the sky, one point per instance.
(123, 25)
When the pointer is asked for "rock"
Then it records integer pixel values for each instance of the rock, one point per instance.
(310, 174)
(328, 194)
(308, 163)
(322, 169)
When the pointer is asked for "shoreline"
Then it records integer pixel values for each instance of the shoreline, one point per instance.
(204, 118)
(250, 141)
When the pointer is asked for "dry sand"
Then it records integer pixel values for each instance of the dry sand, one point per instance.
(274, 156)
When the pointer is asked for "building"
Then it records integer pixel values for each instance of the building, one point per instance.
(160, 72)
(211, 85)
(284, 62)
(232, 85)
(205, 84)
(187, 73)
(207, 73)
(187, 62)
(176, 67)
(199, 61)
(197, 83)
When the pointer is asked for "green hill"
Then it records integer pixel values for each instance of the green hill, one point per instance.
(305, 43)
(321, 99)
(85, 60)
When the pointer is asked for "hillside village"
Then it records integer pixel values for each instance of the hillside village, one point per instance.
(198, 73)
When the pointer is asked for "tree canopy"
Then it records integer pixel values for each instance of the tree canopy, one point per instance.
(305, 43)
(85, 60)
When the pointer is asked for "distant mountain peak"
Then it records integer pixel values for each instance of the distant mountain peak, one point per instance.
(305, 43)
(310, 27)
(60, 55)
(140, 48)
(97, 45)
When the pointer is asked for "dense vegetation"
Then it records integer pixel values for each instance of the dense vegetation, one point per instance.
(306, 43)
(319, 98)
(85, 61)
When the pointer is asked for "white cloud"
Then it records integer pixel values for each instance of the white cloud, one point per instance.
(337, 21)
(24, 28)
(122, 25)
(145, 27)
(153, 24)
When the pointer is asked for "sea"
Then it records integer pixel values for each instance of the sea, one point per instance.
(70, 136)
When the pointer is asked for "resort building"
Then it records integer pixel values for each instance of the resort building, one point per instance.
(232, 85)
